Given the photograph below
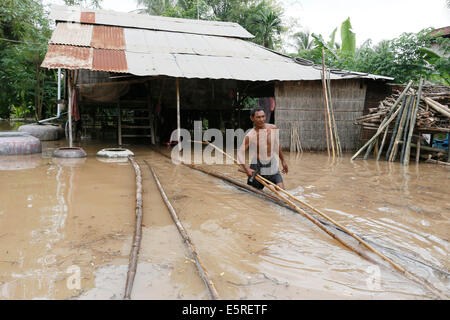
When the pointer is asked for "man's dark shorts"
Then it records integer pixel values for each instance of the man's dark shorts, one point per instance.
(274, 178)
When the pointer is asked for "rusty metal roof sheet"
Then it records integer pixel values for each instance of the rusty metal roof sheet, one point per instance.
(68, 57)
(106, 37)
(143, 21)
(109, 60)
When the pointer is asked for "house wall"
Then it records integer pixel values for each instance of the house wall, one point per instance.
(301, 103)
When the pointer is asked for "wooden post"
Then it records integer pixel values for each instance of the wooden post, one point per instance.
(70, 108)
(178, 110)
(119, 124)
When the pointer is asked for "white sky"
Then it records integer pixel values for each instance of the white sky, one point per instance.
(374, 19)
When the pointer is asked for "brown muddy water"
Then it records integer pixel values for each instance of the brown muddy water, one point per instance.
(66, 229)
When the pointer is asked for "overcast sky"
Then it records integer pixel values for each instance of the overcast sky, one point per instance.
(377, 20)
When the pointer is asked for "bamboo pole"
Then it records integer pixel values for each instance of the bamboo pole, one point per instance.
(438, 107)
(132, 265)
(327, 114)
(394, 132)
(336, 135)
(387, 122)
(187, 240)
(437, 161)
(409, 102)
(406, 130)
(412, 125)
(276, 189)
(382, 143)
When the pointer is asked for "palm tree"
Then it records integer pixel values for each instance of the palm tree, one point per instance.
(155, 7)
(268, 25)
(303, 40)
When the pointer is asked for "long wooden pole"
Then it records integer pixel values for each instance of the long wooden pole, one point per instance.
(437, 106)
(336, 135)
(406, 129)
(382, 143)
(178, 110)
(69, 106)
(412, 125)
(132, 265)
(187, 240)
(327, 107)
(387, 122)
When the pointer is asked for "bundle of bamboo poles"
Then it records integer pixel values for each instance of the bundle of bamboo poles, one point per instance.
(295, 145)
(332, 136)
(432, 113)
(409, 115)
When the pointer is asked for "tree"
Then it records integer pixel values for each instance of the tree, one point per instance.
(262, 18)
(96, 4)
(303, 40)
(266, 24)
(24, 32)
(156, 7)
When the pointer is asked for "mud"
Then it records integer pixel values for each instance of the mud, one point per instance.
(59, 217)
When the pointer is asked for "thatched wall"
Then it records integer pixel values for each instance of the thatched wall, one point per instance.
(301, 103)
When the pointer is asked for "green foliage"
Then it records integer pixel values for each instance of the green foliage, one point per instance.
(348, 38)
(25, 31)
(406, 57)
(156, 7)
(96, 4)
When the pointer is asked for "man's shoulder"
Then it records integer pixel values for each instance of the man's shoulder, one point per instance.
(270, 126)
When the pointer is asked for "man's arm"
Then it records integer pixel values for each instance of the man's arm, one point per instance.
(241, 156)
(281, 155)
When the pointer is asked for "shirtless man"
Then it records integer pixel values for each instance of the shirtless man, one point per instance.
(263, 144)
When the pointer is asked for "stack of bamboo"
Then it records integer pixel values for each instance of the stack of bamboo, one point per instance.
(432, 113)
(411, 110)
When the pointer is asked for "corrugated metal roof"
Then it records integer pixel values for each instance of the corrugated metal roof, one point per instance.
(151, 41)
(143, 21)
(144, 52)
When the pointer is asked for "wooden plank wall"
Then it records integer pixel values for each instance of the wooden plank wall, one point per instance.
(301, 103)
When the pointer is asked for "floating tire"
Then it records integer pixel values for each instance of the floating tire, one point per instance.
(44, 132)
(18, 143)
(67, 152)
(114, 153)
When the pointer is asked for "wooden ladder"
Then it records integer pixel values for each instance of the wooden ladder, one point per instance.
(135, 122)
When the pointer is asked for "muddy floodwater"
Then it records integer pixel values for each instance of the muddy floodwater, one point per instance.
(66, 229)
